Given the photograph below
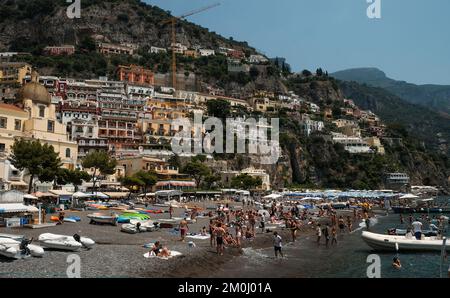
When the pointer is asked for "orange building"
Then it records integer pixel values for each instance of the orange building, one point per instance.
(136, 74)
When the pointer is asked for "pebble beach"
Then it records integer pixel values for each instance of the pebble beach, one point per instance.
(118, 254)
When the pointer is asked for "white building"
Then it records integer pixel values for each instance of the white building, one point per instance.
(178, 48)
(136, 91)
(256, 59)
(354, 145)
(310, 126)
(206, 52)
(156, 50)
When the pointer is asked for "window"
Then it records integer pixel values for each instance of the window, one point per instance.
(42, 111)
(90, 130)
(2, 147)
(51, 126)
(3, 122)
(68, 153)
(17, 124)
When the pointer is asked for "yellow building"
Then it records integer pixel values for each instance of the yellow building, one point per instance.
(35, 119)
(375, 142)
(14, 72)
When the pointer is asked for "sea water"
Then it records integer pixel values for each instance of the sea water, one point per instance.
(348, 258)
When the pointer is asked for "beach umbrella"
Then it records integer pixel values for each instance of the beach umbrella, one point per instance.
(272, 196)
(409, 196)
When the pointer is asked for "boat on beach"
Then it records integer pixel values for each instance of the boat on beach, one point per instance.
(63, 242)
(18, 249)
(100, 218)
(405, 243)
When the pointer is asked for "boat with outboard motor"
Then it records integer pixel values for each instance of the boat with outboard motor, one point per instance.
(63, 242)
(18, 249)
(406, 243)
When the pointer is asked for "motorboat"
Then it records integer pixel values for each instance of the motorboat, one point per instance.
(63, 242)
(432, 231)
(136, 226)
(99, 218)
(388, 242)
(16, 249)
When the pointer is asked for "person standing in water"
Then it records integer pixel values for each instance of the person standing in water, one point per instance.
(318, 234)
(219, 232)
(277, 244)
(333, 235)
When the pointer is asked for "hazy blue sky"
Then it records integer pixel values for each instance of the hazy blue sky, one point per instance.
(410, 42)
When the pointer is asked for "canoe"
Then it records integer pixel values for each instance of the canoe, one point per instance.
(387, 242)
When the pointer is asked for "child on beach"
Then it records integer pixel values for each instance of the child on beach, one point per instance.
(333, 235)
(277, 244)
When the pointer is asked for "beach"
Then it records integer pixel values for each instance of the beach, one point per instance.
(118, 254)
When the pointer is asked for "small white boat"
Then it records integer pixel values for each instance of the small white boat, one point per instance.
(136, 226)
(405, 243)
(17, 249)
(63, 242)
(103, 219)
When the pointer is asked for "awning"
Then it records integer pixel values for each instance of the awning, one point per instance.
(30, 197)
(10, 208)
(18, 183)
(114, 195)
(44, 194)
(273, 196)
(60, 192)
(168, 193)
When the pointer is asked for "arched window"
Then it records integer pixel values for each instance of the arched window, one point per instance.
(68, 153)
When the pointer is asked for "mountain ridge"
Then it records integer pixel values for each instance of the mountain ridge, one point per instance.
(436, 97)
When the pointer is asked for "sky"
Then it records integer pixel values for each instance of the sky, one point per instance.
(410, 42)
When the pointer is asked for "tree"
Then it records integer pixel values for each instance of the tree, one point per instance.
(102, 164)
(41, 161)
(174, 161)
(148, 179)
(306, 73)
(219, 108)
(132, 183)
(74, 177)
(196, 170)
(245, 181)
(210, 180)
(254, 72)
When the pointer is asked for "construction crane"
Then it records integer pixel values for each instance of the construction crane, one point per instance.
(173, 22)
